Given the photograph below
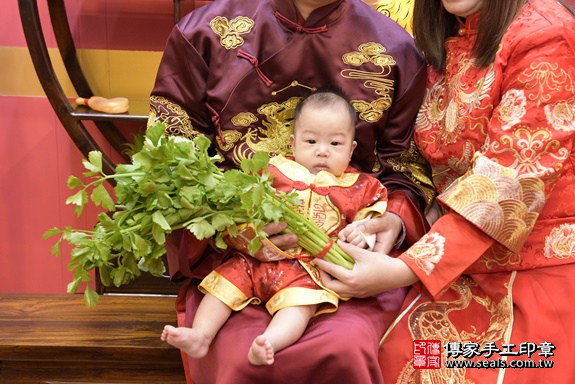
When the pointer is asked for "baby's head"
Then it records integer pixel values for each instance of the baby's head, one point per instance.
(324, 132)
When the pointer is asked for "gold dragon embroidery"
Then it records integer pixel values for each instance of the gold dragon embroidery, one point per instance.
(430, 321)
(172, 115)
(401, 11)
(412, 164)
(272, 136)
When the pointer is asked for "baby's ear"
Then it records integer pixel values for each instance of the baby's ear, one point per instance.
(353, 145)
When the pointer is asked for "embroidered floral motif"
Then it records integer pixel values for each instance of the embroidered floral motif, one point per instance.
(561, 116)
(532, 151)
(499, 256)
(512, 108)
(560, 243)
(427, 252)
(541, 78)
(230, 31)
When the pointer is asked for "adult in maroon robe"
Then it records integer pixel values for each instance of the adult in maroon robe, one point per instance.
(234, 70)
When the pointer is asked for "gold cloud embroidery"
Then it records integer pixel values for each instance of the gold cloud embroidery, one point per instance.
(230, 30)
(375, 54)
(413, 165)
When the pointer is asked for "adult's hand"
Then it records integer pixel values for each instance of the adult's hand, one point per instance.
(271, 249)
(283, 242)
(387, 229)
(372, 273)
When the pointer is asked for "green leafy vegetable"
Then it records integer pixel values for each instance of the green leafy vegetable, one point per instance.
(173, 183)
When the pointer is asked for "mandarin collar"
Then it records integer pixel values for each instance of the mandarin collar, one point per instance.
(326, 15)
(469, 26)
(300, 174)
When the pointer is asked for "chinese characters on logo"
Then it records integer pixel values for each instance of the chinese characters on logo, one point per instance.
(427, 354)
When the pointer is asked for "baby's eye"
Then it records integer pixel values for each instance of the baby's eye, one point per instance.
(335, 143)
(310, 141)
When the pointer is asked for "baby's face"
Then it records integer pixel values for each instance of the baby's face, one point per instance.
(323, 139)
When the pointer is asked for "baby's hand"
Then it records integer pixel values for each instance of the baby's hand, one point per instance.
(352, 234)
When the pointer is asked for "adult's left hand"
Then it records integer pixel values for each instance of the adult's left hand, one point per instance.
(372, 273)
(387, 229)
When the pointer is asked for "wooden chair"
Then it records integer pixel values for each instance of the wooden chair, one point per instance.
(73, 116)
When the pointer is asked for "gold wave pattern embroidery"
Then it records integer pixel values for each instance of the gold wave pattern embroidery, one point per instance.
(430, 321)
(499, 201)
(543, 77)
(412, 164)
(561, 115)
(560, 242)
(373, 53)
(451, 103)
(427, 252)
(172, 115)
(400, 11)
(230, 30)
(272, 136)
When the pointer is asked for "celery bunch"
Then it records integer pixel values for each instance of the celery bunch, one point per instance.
(173, 183)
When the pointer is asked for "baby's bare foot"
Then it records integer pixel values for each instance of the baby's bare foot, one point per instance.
(193, 342)
(261, 352)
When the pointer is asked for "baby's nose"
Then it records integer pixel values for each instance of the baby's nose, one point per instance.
(322, 151)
